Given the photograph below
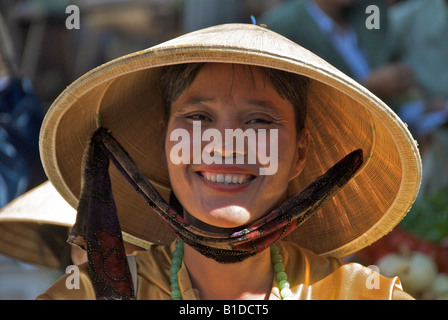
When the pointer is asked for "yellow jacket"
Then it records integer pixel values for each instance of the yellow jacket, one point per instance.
(311, 277)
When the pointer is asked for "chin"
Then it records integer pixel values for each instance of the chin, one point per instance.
(229, 217)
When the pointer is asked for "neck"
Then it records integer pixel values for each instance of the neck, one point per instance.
(247, 280)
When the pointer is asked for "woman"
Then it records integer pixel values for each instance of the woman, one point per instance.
(215, 208)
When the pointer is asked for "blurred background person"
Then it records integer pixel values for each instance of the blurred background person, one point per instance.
(199, 14)
(39, 56)
(50, 57)
(419, 36)
(336, 31)
(20, 118)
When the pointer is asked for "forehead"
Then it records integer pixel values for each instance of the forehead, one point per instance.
(232, 79)
(239, 89)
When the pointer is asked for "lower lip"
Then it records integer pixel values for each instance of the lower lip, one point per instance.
(225, 187)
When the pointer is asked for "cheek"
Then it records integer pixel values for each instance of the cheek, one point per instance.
(277, 183)
(177, 146)
(276, 151)
(288, 155)
(175, 171)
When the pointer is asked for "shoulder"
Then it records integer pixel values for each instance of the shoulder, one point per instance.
(407, 10)
(306, 267)
(153, 272)
(156, 259)
(152, 277)
(355, 281)
(317, 277)
(411, 15)
(74, 285)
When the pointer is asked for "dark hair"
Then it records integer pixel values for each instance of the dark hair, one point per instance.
(290, 86)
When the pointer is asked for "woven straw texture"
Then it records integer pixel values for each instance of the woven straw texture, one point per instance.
(342, 117)
(34, 227)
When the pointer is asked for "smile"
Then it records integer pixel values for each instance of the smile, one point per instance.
(226, 178)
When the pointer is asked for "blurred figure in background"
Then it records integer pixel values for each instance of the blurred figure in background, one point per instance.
(20, 118)
(419, 30)
(198, 14)
(336, 31)
(33, 230)
(33, 247)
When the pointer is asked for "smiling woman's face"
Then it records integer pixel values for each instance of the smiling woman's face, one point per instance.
(223, 96)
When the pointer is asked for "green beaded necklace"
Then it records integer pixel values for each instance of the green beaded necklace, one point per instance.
(276, 258)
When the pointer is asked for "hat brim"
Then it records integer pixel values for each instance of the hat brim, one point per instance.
(34, 227)
(342, 116)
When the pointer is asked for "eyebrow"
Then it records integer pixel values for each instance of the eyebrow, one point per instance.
(264, 105)
(197, 100)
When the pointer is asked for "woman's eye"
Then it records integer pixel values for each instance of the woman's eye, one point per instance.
(198, 117)
(259, 121)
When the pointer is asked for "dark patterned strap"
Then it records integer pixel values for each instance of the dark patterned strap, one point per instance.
(97, 229)
(248, 241)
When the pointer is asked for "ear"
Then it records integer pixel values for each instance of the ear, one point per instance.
(302, 144)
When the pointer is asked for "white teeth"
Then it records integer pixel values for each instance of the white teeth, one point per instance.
(226, 178)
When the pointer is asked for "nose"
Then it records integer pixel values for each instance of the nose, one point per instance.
(225, 146)
(227, 151)
(234, 146)
(226, 142)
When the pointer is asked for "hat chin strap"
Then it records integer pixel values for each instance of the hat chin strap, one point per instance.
(98, 231)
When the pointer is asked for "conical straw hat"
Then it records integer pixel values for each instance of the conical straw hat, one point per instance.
(342, 116)
(34, 227)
